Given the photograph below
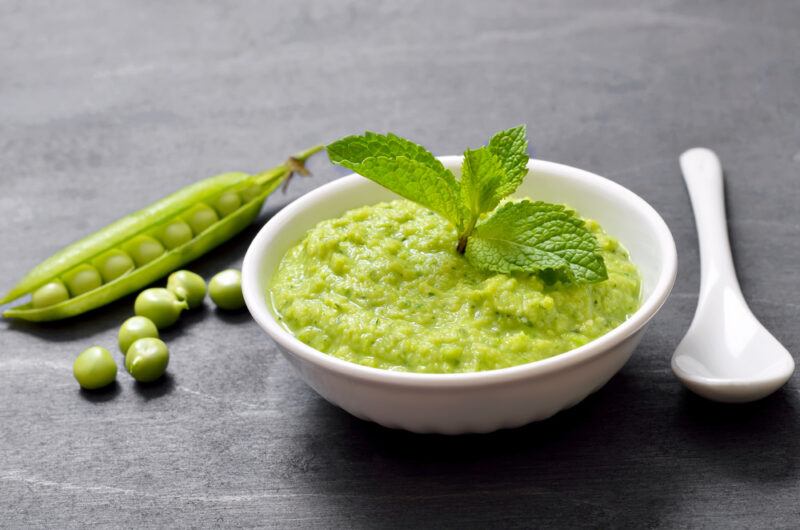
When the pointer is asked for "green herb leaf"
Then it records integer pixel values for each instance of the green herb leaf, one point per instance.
(511, 148)
(490, 174)
(482, 173)
(404, 167)
(530, 236)
(522, 236)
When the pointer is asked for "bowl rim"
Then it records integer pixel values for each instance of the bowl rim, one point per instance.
(287, 341)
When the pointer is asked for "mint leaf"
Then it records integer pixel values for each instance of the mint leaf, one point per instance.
(491, 173)
(404, 167)
(511, 148)
(522, 236)
(358, 147)
(481, 175)
(530, 236)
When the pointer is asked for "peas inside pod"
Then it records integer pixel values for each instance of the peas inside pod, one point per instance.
(94, 368)
(114, 264)
(49, 294)
(227, 203)
(142, 247)
(201, 218)
(225, 289)
(176, 233)
(82, 280)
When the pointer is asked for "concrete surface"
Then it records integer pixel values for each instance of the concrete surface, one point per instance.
(106, 106)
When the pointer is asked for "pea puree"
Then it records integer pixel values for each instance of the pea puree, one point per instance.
(383, 286)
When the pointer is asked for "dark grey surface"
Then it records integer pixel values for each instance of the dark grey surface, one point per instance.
(106, 106)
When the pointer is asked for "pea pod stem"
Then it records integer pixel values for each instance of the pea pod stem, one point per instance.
(147, 222)
(294, 164)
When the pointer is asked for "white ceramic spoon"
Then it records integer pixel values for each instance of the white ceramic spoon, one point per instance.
(727, 355)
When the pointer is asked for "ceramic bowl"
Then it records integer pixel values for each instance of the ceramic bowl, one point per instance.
(480, 401)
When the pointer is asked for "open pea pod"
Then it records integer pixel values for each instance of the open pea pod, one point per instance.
(228, 203)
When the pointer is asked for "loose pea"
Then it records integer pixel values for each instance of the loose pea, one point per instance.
(115, 264)
(94, 368)
(49, 294)
(225, 289)
(201, 217)
(145, 249)
(227, 203)
(133, 329)
(147, 359)
(82, 279)
(187, 286)
(176, 234)
(159, 305)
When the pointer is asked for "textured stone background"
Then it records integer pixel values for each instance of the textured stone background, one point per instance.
(106, 106)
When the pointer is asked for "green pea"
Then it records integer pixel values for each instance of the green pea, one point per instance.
(145, 249)
(82, 279)
(51, 293)
(250, 193)
(201, 217)
(147, 359)
(227, 203)
(133, 329)
(95, 368)
(159, 305)
(187, 286)
(176, 234)
(225, 289)
(115, 264)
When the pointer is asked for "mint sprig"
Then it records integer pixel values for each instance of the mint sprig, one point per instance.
(523, 236)
(404, 167)
(537, 236)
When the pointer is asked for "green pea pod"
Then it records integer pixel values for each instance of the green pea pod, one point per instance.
(149, 221)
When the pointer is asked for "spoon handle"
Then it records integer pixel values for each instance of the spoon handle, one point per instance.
(702, 173)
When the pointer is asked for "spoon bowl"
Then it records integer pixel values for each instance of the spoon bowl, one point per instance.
(727, 355)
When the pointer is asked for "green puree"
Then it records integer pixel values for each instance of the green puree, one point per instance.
(383, 286)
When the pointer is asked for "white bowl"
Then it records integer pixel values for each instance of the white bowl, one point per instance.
(480, 401)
